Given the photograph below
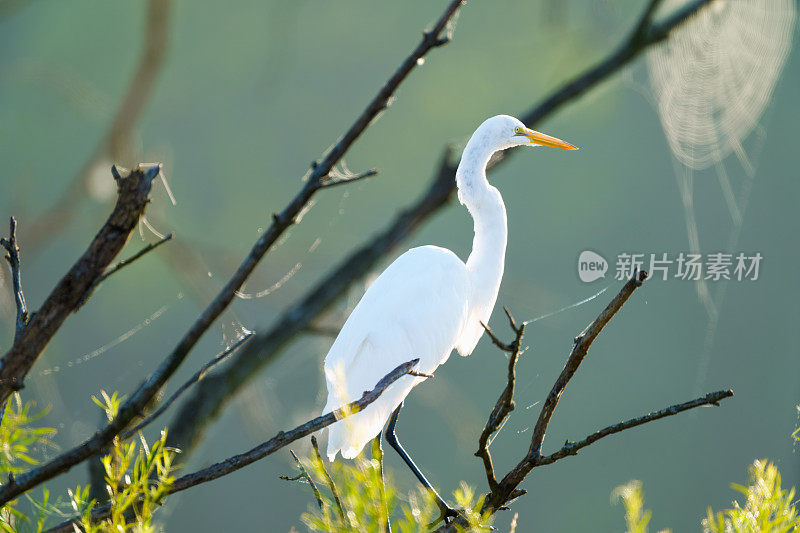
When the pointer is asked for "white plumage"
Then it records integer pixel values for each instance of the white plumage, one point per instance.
(427, 302)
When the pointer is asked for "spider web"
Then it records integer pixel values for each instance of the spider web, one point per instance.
(711, 84)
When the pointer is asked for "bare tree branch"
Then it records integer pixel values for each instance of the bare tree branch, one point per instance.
(209, 399)
(505, 403)
(122, 264)
(132, 197)
(280, 222)
(282, 439)
(646, 20)
(505, 491)
(196, 378)
(572, 448)
(576, 356)
(12, 256)
(502, 492)
(114, 144)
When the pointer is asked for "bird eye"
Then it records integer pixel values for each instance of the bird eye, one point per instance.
(517, 130)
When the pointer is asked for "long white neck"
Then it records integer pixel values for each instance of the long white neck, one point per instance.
(487, 260)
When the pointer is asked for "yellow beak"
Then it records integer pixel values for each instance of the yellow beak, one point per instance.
(545, 140)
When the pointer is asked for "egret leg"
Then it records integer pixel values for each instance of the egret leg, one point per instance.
(448, 512)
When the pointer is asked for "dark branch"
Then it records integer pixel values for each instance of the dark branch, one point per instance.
(646, 20)
(137, 402)
(503, 492)
(208, 400)
(12, 256)
(279, 441)
(132, 197)
(430, 40)
(505, 403)
(122, 264)
(496, 341)
(576, 357)
(571, 448)
(305, 475)
(196, 378)
(506, 489)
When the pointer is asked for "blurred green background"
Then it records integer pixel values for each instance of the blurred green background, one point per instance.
(252, 91)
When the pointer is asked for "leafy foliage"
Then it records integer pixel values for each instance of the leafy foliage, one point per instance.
(138, 476)
(137, 480)
(21, 442)
(367, 503)
(767, 506)
(18, 439)
(632, 497)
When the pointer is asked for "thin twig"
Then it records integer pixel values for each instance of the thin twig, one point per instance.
(505, 403)
(125, 262)
(280, 223)
(122, 264)
(12, 256)
(132, 198)
(330, 181)
(495, 340)
(320, 465)
(304, 474)
(208, 400)
(269, 447)
(571, 448)
(196, 378)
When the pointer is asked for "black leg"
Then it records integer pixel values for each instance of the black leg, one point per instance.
(391, 437)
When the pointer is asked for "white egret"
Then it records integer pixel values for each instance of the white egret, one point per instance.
(425, 304)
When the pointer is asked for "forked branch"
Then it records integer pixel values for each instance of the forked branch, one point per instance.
(503, 492)
(133, 189)
(505, 403)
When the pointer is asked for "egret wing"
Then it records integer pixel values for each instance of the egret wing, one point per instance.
(416, 308)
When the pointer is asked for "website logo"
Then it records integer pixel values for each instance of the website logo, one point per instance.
(591, 266)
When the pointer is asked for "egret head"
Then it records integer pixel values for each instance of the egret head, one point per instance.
(503, 131)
